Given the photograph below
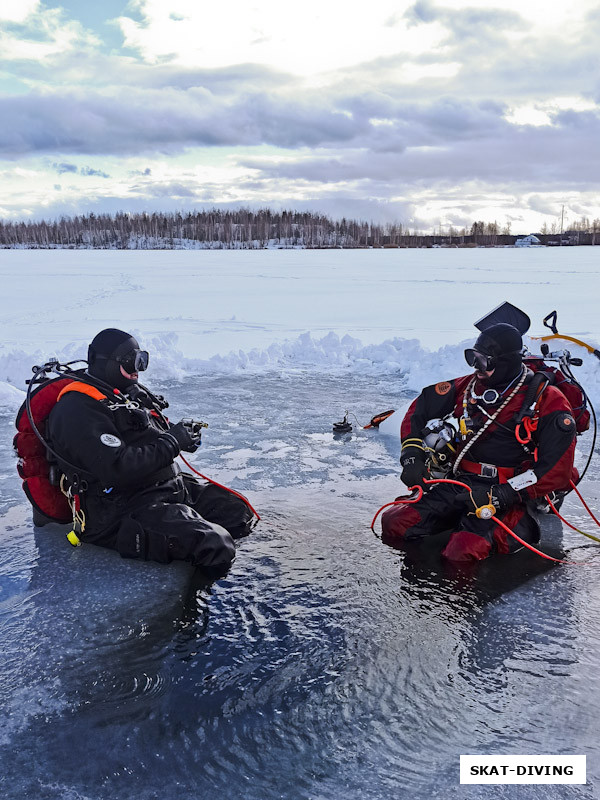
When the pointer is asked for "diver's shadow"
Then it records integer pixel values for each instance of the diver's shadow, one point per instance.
(92, 594)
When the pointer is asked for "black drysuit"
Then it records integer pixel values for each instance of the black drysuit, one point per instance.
(134, 498)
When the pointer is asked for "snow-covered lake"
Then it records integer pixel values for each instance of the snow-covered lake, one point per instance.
(325, 665)
(207, 311)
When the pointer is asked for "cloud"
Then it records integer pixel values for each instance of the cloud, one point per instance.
(17, 10)
(318, 37)
(88, 171)
(170, 121)
(323, 139)
(88, 66)
(410, 101)
(165, 122)
(421, 12)
(466, 23)
(169, 189)
(37, 33)
(543, 205)
(478, 147)
(64, 167)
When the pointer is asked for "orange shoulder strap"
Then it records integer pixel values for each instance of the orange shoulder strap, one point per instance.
(84, 388)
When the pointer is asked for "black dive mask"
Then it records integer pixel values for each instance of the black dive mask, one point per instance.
(134, 360)
(479, 361)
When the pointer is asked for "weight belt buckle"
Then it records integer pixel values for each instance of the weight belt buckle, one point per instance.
(489, 471)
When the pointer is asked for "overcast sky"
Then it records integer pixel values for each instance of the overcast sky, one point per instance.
(439, 112)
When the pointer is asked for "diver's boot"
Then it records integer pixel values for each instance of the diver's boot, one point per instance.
(39, 519)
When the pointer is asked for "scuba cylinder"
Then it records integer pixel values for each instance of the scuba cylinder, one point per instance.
(37, 461)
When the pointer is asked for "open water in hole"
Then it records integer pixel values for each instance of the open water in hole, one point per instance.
(325, 665)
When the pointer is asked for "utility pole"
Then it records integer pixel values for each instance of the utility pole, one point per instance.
(562, 217)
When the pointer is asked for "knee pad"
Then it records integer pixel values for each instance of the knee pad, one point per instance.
(396, 521)
(466, 546)
(133, 541)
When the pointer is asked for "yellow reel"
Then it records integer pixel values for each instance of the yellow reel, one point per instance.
(74, 539)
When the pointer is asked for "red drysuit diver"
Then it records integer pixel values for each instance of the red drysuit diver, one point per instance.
(504, 462)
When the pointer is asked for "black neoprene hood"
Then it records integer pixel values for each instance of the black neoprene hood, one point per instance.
(103, 352)
(499, 340)
(503, 343)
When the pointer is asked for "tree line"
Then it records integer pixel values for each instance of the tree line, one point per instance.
(246, 229)
(243, 229)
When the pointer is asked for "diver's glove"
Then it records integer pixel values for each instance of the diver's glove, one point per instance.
(188, 436)
(501, 496)
(414, 469)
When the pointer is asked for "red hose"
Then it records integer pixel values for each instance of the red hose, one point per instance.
(505, 527)
(220, 485)
(563, 520)
(400, 501)
(585, 505)
(530, 547)
(497, 521)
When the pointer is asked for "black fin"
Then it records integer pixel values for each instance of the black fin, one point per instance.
(508, 313)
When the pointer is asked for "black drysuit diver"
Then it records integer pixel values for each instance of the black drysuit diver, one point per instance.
(133, 497)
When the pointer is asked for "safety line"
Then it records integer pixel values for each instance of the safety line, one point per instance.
(220, 485)
(585, 505)
(562, 519)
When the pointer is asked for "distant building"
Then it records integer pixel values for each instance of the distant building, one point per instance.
(529, 241)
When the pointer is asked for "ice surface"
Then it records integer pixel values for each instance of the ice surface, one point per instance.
(325, 664)
(65, 608)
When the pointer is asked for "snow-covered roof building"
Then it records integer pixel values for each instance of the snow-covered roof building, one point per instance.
(529, 241)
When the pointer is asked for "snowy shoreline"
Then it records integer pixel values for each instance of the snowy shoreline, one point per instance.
(425, 242)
